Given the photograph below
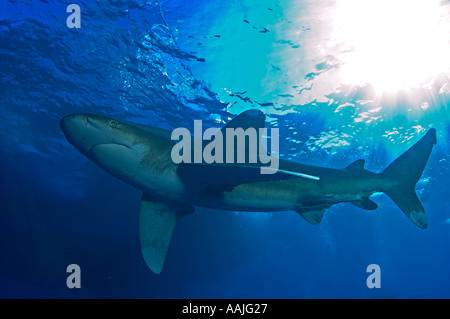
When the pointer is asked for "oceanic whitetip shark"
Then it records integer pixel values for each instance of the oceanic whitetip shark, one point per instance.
(141, 156)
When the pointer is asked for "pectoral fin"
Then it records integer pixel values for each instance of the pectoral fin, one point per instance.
(156, 224)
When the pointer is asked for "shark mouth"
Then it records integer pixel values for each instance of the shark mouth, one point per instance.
(111, 146)
(107, 144)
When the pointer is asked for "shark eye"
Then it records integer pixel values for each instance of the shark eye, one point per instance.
(113, 123)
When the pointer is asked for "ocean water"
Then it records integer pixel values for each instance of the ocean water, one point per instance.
(166, 63)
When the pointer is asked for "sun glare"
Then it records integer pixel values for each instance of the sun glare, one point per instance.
(391, 44)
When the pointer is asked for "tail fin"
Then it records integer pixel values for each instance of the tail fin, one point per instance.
(403, 174)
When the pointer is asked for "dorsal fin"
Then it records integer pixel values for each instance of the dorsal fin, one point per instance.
(250, 118)
(253, 119)
(245, 141)
(357, 165)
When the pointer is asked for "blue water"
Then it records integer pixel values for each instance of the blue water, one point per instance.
(166, 63)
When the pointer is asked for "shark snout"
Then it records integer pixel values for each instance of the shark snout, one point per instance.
(73, 123)
(84, 131)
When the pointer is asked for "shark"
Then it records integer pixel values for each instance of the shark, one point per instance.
(140, 155)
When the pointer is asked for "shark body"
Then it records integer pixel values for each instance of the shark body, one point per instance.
(141, 156)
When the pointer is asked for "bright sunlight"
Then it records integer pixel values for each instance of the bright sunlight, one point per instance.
(392, 44)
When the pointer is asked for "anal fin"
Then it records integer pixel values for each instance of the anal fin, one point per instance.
(157, 222)
(365, 203)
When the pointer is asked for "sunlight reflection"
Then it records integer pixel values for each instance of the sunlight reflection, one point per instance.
(391, 45)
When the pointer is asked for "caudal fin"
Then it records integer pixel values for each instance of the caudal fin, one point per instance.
(402, 175)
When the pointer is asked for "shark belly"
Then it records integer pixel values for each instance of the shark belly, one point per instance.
(296, 194)
(263, 196)
(161, 180)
